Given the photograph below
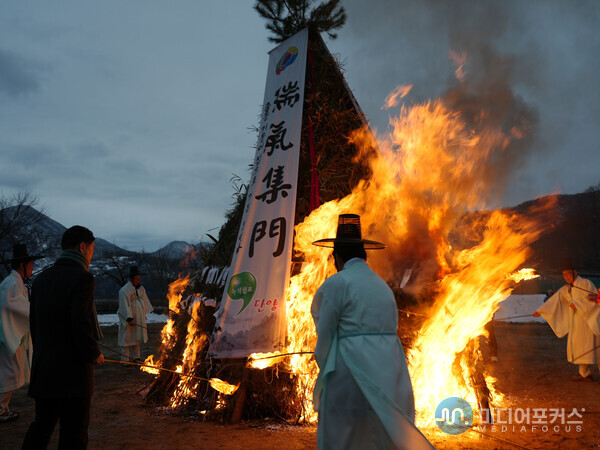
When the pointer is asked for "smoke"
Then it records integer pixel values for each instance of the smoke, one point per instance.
(538, 57)
(486, 95)
(456, 152)
(487, 102)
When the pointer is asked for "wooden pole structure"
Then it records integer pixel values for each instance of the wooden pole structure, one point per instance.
(240, 399)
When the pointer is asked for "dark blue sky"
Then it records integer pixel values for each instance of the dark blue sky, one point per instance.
(132, 117)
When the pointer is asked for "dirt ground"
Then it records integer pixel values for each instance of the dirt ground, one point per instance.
(532, 372)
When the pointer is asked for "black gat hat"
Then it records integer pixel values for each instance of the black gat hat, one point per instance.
(349, 232)
(20, 255)
(133, 271)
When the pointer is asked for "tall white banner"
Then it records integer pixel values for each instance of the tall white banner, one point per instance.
(252, 317)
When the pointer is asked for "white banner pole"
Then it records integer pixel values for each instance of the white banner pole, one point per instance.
(251, 318)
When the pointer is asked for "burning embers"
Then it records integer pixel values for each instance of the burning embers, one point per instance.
(182, 358)
(433, 172)
(188, 381)
(223, 386)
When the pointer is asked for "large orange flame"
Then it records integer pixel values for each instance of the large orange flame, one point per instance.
(432, 170)
(467, 299)
(168, 337)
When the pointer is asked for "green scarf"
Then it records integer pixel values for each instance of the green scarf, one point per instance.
(77, 256)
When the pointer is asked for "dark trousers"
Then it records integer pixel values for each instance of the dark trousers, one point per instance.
(74, 417)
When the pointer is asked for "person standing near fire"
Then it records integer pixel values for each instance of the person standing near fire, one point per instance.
(573, 310)
(15, 345)
(133, 307)
(64, 330)
(363, 392)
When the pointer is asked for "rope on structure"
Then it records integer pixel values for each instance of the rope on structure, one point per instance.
(112, 350)
(281, 355)
(157, 368)
(121, 354)
(512, 317)
(475, 430)
(145, 365)
(410, 312)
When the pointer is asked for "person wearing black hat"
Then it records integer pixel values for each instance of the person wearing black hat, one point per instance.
(133, 307)
(64, 330)
(570, 311)
(15, 345)
(363, 391)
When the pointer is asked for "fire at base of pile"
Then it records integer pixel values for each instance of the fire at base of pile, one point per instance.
(192, 384)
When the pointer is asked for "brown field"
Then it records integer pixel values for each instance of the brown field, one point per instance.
(532, 373)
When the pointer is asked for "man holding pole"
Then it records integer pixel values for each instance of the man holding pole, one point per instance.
(64, 329)
(133, 307)
(570, 311)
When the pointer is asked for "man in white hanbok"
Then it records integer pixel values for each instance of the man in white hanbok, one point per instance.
(15, 342)
(363, 392)
(133, 307)
(573, 310)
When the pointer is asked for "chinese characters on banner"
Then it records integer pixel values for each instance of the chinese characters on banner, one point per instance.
(251, 318)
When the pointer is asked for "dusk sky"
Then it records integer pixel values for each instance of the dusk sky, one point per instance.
(132, 117)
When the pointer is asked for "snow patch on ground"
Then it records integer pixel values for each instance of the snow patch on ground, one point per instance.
(112, 319)
(515, 306)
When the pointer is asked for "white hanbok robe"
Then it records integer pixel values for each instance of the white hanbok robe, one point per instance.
(133, 303)
(15, 342)
(582, 326)
(363, 392)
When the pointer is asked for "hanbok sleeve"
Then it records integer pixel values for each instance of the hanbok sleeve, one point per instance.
(557, 313)
(14, 315)
(124, 311)
(17, 301)
(590, 310)
(146, 305)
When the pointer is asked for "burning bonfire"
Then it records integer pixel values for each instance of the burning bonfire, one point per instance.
(450, 261)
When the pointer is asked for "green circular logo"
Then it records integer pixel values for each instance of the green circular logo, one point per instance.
(242, 287)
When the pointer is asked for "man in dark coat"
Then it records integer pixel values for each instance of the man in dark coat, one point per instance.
(64, 330)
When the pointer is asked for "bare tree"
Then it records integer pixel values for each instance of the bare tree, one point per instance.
(116, 265)
(161, 269)
(595, 188)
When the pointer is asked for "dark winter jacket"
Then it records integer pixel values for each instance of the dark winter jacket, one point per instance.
(63, 322)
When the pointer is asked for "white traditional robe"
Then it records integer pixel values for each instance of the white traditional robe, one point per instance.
(363, 392)
(582, 326)
(133, 303)
(15, 344)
